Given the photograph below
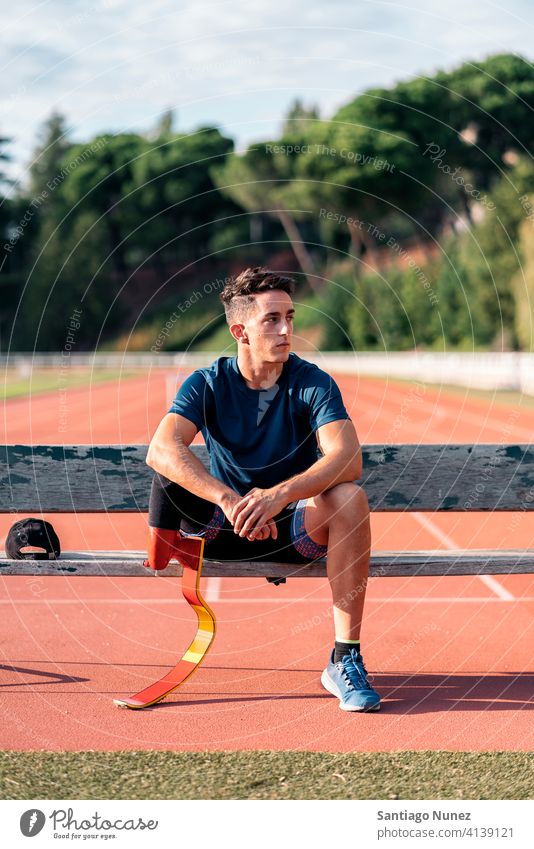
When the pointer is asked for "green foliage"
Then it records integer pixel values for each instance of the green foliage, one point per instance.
(48, 157)
(393, 310)
(165, 124)
(255, 179)
(118, 202)
(396, 126)
(262, 181)
(299, 117)
(523, 285)
(220, 341)
(334, 305)
(490, 261)
(375, 318)
(174, 197)
(495, 99)
(4, 157)
(71, 273)
(98, 182)
(444, 159)
(459, 320)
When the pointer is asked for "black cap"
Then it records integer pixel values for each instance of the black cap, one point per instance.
(35, 533)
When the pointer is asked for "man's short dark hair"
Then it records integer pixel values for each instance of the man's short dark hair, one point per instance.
(238, 294)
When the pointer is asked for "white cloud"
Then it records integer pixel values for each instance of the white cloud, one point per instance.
(117, 64)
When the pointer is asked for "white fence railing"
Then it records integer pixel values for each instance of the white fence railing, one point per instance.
(494, 371)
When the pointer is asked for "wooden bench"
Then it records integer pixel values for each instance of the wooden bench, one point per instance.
(397, 478)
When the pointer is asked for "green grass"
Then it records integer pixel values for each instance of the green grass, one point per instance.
(219, 341)
(266, 775)
(507, 397)
(15, 386)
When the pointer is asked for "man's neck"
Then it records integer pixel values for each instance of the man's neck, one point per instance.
(258, 375)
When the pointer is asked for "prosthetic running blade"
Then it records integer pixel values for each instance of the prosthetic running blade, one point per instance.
(189, 552)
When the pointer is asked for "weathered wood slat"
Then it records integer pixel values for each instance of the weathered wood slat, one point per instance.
(74, 478)
(383, 565)
(115, 478)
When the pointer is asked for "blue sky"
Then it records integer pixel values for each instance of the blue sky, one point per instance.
(113, 65)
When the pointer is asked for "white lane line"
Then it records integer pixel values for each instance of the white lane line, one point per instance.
(213, 589)
(488, 580)
(286, 603)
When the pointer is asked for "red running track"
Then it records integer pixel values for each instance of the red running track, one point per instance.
(452, 657)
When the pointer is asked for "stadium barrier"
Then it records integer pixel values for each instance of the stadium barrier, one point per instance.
(494, 371)
(397, 478)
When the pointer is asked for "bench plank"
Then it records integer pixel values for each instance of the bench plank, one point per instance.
(115, 478)
(383, 565)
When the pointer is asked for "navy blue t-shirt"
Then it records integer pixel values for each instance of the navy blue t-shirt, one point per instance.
(259, 437)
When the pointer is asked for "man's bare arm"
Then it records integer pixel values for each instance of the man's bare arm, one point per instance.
(341, 462)
(169, 455)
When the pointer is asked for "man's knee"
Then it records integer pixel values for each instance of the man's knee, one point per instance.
(346, 501)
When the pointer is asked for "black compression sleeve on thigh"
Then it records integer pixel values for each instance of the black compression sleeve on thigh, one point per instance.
(171, 506)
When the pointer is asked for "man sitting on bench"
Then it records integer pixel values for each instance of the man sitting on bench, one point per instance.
(284, 455)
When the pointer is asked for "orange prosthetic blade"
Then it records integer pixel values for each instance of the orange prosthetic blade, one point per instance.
(188, 551)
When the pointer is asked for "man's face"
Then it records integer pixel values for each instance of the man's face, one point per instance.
(269, 326)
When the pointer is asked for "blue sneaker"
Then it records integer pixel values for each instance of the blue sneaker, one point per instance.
(347, 680)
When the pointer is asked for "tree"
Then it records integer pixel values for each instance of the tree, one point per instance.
(165, 125)
(523, 285)
(73, 272)
(98, 180)
(490, 259)
(49, 155)
(5, 204)
(179, 208)
(260, 181)
(298, 118)
(398, 126)
(80, 237)
(334, 305)
(458, 320)
(495, 100)
(354, 179)
(4, 157)
(450, 138)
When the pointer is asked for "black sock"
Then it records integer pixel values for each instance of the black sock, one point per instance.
(341, 649)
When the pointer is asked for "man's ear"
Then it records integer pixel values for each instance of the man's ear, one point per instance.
(239, 333)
